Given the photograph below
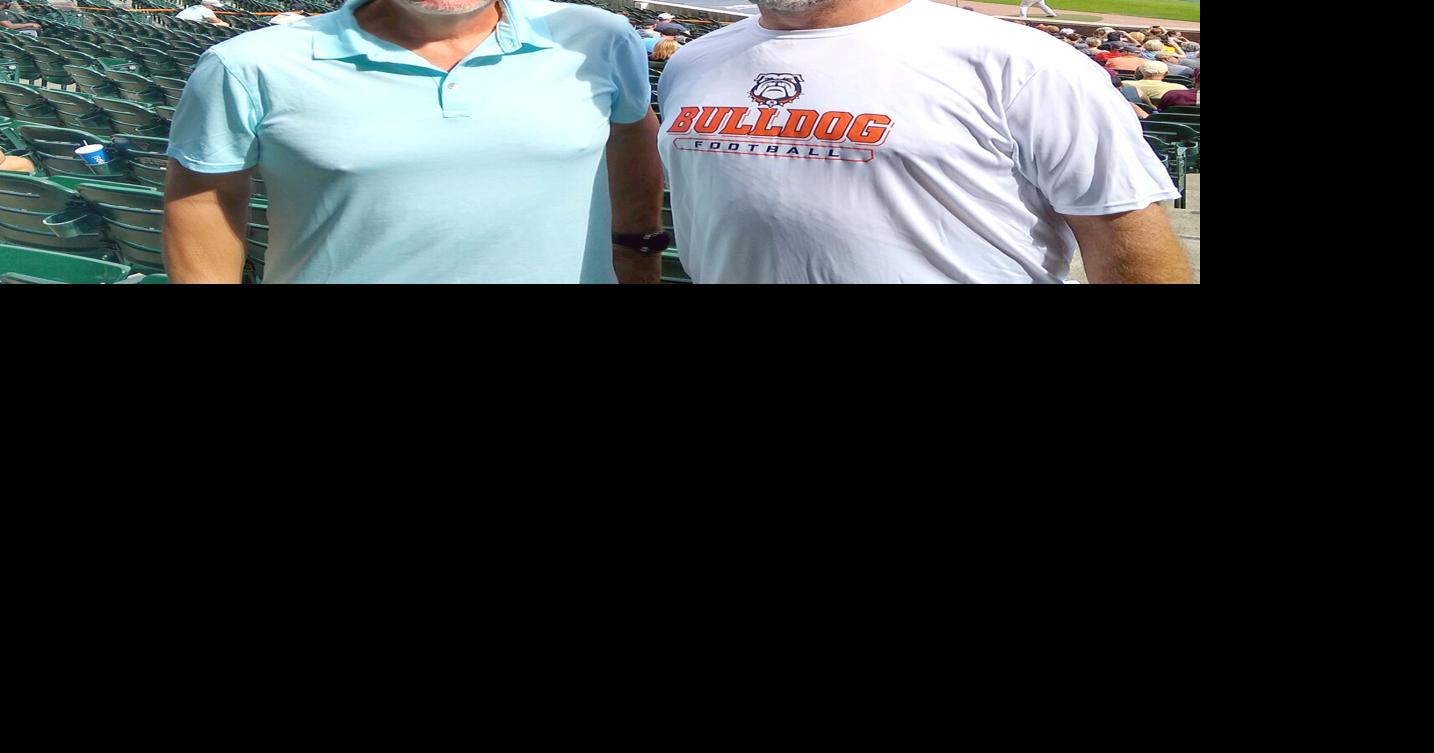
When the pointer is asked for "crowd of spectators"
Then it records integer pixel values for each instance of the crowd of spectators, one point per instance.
(1155, 68)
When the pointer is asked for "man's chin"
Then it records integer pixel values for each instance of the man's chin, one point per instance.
(446, 7)
(793, 6)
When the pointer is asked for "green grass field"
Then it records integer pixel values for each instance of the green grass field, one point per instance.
(1178, 10)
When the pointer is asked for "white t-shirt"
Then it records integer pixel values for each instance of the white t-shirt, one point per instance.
(929, 144)
(196, 13)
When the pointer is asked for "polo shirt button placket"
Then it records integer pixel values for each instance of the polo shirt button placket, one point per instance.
(452, 107)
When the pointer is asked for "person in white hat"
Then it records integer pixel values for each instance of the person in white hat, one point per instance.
(1028, 3)
(649, 32)
(202, 13)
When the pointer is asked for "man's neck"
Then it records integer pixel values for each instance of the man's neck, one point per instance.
(840, 13)
(394, 22)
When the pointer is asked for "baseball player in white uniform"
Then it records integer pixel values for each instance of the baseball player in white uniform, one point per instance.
(1028, 3)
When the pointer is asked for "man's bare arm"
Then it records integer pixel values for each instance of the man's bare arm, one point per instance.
(206, 217)
(1138, 247)
(635, 182)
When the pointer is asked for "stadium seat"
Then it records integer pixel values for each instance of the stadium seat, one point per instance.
(26, 202)
(92, 82)
(26, 104)
(173, 88)
(132, 118)
(133, 219)
(136, 88)
(145, 160)
(157, 62)
(25, 67)
(256, 241)
(54, 148)
(52, 66)
(78, 112)
(31, 265)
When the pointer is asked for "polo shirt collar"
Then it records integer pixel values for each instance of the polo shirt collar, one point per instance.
(343, 38)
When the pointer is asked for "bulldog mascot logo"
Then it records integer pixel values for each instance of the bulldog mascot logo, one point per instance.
(776, 89)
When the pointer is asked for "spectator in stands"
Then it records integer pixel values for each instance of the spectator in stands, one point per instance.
(668, 32)
(1108, 52)
(1128, 60)
(1136, 38)
(1187, 97)
(1173, 63)
(663, 50)
(203, 12)
(648, 32)
(1152, 48)
(1131, 95)
(15, 164)
(293, 13)
(404, 141)
(992, 172)
(13, 22)
(1150, 81)
(1191, 51)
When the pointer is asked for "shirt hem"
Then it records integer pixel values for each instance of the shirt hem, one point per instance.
(209, 167)
(1124, 206)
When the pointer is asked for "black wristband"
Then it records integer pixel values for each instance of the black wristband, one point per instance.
(643, 243)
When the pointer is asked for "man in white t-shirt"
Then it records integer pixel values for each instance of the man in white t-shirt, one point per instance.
(202, 12)
(905, 141)
(1028, 3)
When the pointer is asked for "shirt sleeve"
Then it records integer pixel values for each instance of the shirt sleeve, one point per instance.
(1079, 143)
(216, 124)
(632, 93)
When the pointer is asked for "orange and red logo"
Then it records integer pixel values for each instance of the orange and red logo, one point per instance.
(773, 132)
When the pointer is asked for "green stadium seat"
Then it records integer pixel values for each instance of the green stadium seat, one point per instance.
(145, 160)
(27, 201)
(133, 118)
(31, 265)
(136, 88)
(54, 150)
(173, 89)
(92, 82)
(78, 112)
(26, 104)
(157, 62)
(52, 66)
(25, 67)
(133, 219)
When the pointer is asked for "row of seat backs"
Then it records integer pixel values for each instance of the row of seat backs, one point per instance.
(107, 221)
(50, 62)
(19, 264)
(92, 113)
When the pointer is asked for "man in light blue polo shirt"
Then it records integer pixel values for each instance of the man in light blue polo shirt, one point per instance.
(422, 141)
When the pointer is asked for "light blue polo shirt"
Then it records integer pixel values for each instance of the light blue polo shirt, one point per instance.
(381, 167)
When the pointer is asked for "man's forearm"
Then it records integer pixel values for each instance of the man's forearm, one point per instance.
(1131, 247)
(635, 185)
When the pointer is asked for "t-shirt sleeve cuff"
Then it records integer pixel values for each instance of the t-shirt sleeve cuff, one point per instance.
(1117, 207)
(200, 166)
